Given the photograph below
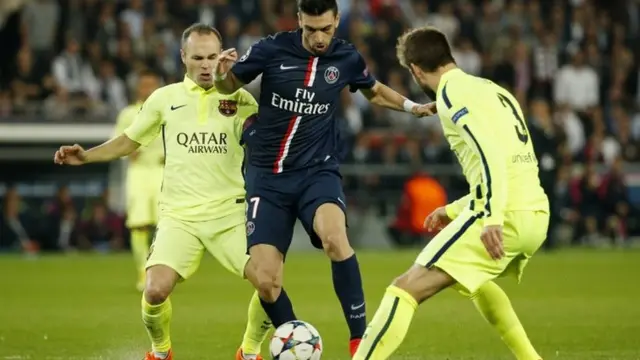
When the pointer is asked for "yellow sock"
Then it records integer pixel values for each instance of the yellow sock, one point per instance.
(389, 326)
(157, 320)
(140, 249)
(495, 307)
(258, 325)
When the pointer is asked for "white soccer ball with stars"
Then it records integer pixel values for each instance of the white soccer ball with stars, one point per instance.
(296, 340)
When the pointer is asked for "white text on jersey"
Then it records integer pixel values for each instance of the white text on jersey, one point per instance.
(302, 103)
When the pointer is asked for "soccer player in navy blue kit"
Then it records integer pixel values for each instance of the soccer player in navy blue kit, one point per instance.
(292, 166)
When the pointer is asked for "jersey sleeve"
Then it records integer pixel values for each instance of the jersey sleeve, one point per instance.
(148, 122)
(362, 79)
(247, 108)
(123, 121)
(252, 63)
(473, 119)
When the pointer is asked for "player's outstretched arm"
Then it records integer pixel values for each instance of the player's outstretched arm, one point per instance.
(123, 121)
(382, 95)
(113, 149)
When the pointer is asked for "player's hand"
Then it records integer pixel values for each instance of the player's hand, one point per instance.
(492, 239)
(225, 61)
(437, 219)
(70, 155)
(421, 110)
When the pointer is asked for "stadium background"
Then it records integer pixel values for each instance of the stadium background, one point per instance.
(68, 67)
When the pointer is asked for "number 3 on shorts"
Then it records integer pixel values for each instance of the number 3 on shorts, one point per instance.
(253, 207)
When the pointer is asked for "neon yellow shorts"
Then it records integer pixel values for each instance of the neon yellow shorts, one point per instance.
(180, 245)
(143, 193)
(458, 250)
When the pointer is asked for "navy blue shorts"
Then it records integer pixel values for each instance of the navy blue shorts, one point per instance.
(275, 201)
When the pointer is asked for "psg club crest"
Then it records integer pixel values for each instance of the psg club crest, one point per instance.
(251, 227)
(245, 56)
(331, 75)
(228, 107)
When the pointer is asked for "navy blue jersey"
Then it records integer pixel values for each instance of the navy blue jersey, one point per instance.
(296, 124)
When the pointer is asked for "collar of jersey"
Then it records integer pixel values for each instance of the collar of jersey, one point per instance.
(192, 86)
(446, 76)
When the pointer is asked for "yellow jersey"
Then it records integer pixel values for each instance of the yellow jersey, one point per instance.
(486, 130)
(201, 131)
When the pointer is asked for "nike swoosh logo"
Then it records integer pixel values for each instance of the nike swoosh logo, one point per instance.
(177, 107)
(356, 307)
(282, 67)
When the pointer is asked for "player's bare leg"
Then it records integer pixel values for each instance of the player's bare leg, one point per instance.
(156, 309)
(264, 271)
(329, 223)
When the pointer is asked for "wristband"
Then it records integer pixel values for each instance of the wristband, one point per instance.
(408, 105)
(217, 77)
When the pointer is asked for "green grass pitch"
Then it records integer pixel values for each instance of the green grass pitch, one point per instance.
(574, 304)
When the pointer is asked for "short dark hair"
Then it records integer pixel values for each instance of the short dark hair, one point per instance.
(199, 28)
(317, 7)
(425, 47)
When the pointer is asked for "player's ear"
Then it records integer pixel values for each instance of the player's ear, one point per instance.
(337, 20)
(415, 70)
(299, 20)
(183, 56)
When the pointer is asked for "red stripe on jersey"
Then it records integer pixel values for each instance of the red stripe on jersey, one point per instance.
(310, 74)
(278, 165)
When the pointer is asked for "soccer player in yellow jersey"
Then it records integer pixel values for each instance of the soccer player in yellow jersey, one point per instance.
(489, 233)
(144, 178)
(202, 205)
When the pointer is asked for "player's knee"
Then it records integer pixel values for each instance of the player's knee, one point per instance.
(336, 245)
(405, 284)
(422, 283)
(160, 283)
(269, 285)
(156, 292)
(264, 270)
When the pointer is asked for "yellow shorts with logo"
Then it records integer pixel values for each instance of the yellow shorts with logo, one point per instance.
(458, 250)
(180, 245)
(143, 192)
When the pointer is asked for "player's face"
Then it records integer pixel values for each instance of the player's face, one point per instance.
(318, 31)
(198, 55)
(146, 85)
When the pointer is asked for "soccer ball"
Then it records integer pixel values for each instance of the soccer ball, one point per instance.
(296, 340)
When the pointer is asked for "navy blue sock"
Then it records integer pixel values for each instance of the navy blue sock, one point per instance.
(348, 286)
(280, 311)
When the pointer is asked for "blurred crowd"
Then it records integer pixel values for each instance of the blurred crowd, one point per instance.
(573, 64)
(60, 224)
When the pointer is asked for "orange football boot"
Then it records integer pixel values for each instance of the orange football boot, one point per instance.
(353, 345)
(150, 356)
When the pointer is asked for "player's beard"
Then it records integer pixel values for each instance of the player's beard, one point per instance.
(319, 52)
